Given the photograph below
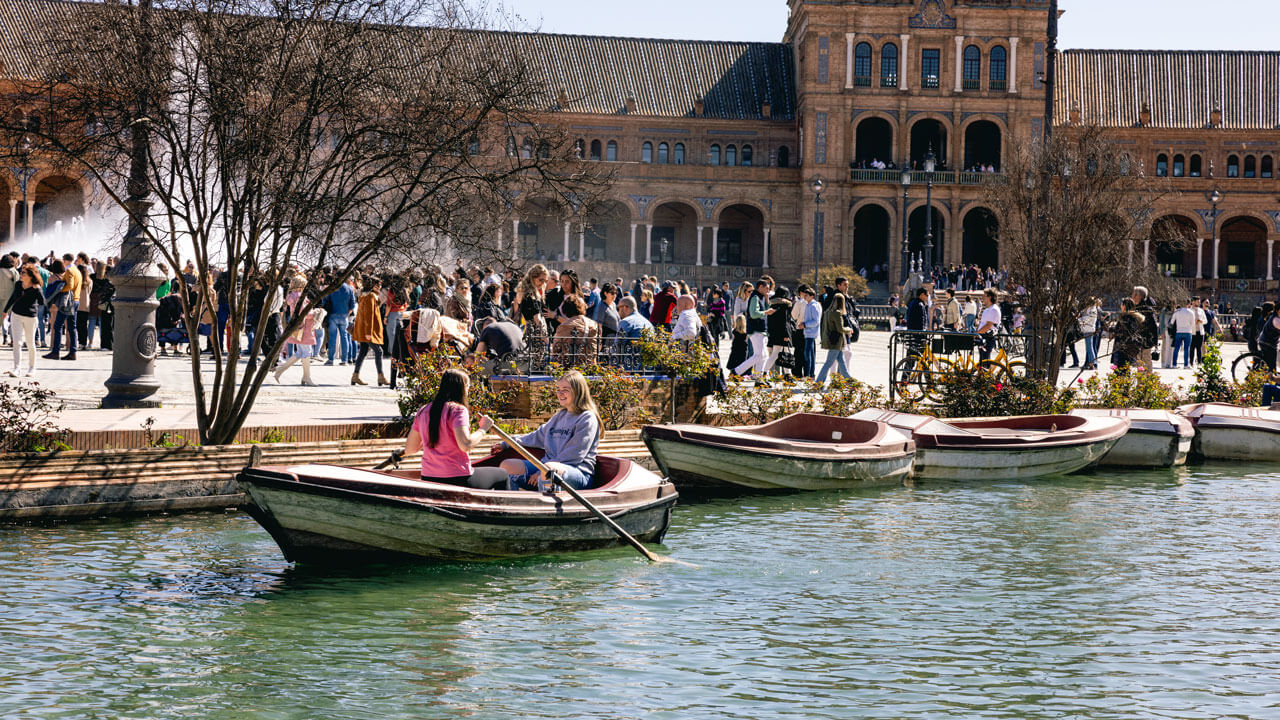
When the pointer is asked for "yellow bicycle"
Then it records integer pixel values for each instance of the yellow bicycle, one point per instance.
(926, 374)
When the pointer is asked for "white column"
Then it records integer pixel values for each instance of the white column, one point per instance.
(766, 246)
(582, 241)
(848, 59)
(31, 226)
(566, 242)
(1270, 263)
(715, 245)
(515, 239)
(1013, 64)
(13, 219)
(1199, 257)
(1128, 262)
(904, 63)
(633, 243)
(648, 248)
(959, 61)
(1216, 240)
(699, 245)
(1146, 251)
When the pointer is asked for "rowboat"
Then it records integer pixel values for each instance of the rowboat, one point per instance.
(1156, 438)
(328, 514)
(803, 451)
(1234, 432)
(1003, 448)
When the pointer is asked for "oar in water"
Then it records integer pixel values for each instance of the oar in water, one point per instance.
(552, 476)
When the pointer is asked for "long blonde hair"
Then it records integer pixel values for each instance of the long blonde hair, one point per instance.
(527, 286)
(580, 392)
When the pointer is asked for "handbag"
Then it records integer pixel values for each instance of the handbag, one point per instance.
(786, 359)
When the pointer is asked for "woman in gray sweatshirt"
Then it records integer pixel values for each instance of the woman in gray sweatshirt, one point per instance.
(569, 440)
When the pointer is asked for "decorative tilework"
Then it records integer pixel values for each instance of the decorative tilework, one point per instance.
(708, 206)
(933, 14)
(824, 60)
(1207, 216)
(1275, 218)
(642, 203)
(820, 139)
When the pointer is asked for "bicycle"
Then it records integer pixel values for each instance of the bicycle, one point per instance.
(1248, 362)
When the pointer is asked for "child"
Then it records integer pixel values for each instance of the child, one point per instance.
(738, 350)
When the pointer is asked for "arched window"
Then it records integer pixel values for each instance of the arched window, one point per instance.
(544, 151)
(595, 150)
(1162, 165)
(677, 154)
(1179, 166)
(784, 157)
(1233, 166)
(862, 65)
(999, 69)
(579, 149)
(473, 147)
(526, 149)
(664, 153)
(714, 157)
(1267, 169)
(889, 65)
(611, 151)
(972, 68)
(730, 155)
(646, 152)
(1197, 166)
(1250, 166)
(746, 155)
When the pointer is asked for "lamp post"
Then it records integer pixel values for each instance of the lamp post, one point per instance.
(24, 175)
(929, 165)
(906, 247)
(1215, 197)
(817, 186)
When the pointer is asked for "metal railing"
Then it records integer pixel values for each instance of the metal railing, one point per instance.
(920, 177)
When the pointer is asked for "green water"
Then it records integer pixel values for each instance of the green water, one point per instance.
(1117, 595)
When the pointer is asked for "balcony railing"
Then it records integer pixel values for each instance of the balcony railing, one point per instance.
(862, 81)
(929, 81)
(997, 86)
(919, 177)
(971, 84)
(888, 81)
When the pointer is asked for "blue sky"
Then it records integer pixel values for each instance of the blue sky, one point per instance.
(1098, 24)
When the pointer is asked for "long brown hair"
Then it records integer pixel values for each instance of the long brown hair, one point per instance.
(581, 394)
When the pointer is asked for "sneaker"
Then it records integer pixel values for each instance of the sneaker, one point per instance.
(50, 356)
(329, 364)
(68, 356)
(11, 373)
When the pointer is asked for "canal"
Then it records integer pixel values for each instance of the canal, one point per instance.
(1114, 595)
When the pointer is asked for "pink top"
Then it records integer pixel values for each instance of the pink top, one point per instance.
(446, 459)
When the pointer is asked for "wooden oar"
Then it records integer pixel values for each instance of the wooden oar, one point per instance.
(550, 475)
(396, 456)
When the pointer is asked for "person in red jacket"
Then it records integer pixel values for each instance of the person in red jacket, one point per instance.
(664, 305)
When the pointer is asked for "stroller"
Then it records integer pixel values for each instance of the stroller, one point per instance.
(169, 327)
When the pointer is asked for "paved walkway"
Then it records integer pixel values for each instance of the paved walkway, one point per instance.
(79, 385)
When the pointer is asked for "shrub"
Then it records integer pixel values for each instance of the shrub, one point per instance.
(981, 394)
(422, 380)
(827, 276)
(673, 358)
(846, 396)
(1249, 392)
(744, 404)
(1133, 387)
(1210, 384)
(619, 395)
(27, 419)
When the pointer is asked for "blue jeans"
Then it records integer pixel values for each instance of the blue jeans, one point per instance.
(810, 356)
(1270, 394)
(1182, 340)
(338, 334)
(91, 328)
(1090, 350)
(67, 319)
(42, 322)
(570, 475)
(833, 357)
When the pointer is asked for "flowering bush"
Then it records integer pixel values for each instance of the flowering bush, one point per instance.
(1133, 387)
(422, 380)
(1211, 385)
(26, 419)
(846, 396)
(743, 404)
(674, 358)
(619, 395)
(1249, 392)
(982, 394)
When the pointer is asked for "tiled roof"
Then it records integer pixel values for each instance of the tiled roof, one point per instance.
(1182, 88)
(595, 74)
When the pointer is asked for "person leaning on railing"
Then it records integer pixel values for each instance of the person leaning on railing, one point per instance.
(577, 338)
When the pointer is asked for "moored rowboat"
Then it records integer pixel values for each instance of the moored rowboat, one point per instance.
(329, 514)
(1003, 448)
(799, 452)
(1234, 432)
(1156, 438)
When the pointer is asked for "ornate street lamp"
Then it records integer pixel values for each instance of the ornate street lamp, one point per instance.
(906, 247)
(817, 186)
(1215, 197)
(929, 165)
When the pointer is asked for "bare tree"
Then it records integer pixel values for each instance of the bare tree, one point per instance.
(299, 135)
(1073, 217)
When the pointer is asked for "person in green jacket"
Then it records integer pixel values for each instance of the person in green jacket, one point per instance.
(834, 337)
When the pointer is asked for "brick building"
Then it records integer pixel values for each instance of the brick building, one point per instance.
(714, 145)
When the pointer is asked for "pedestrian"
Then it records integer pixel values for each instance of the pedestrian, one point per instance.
(339, 305)
(738, 342)
(1087, 325)
(368, 329)
(302, 345)
(834, 337)
(779, 327)
(810, 327)
(1130, 337)
(757, 327)
(21, 307)
(989, 323)
(1183, 324)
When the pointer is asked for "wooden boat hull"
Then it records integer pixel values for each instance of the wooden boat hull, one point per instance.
(1156, 438)
(319, 523)
(1231, 432)
(1003, 448)
(698, 456)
